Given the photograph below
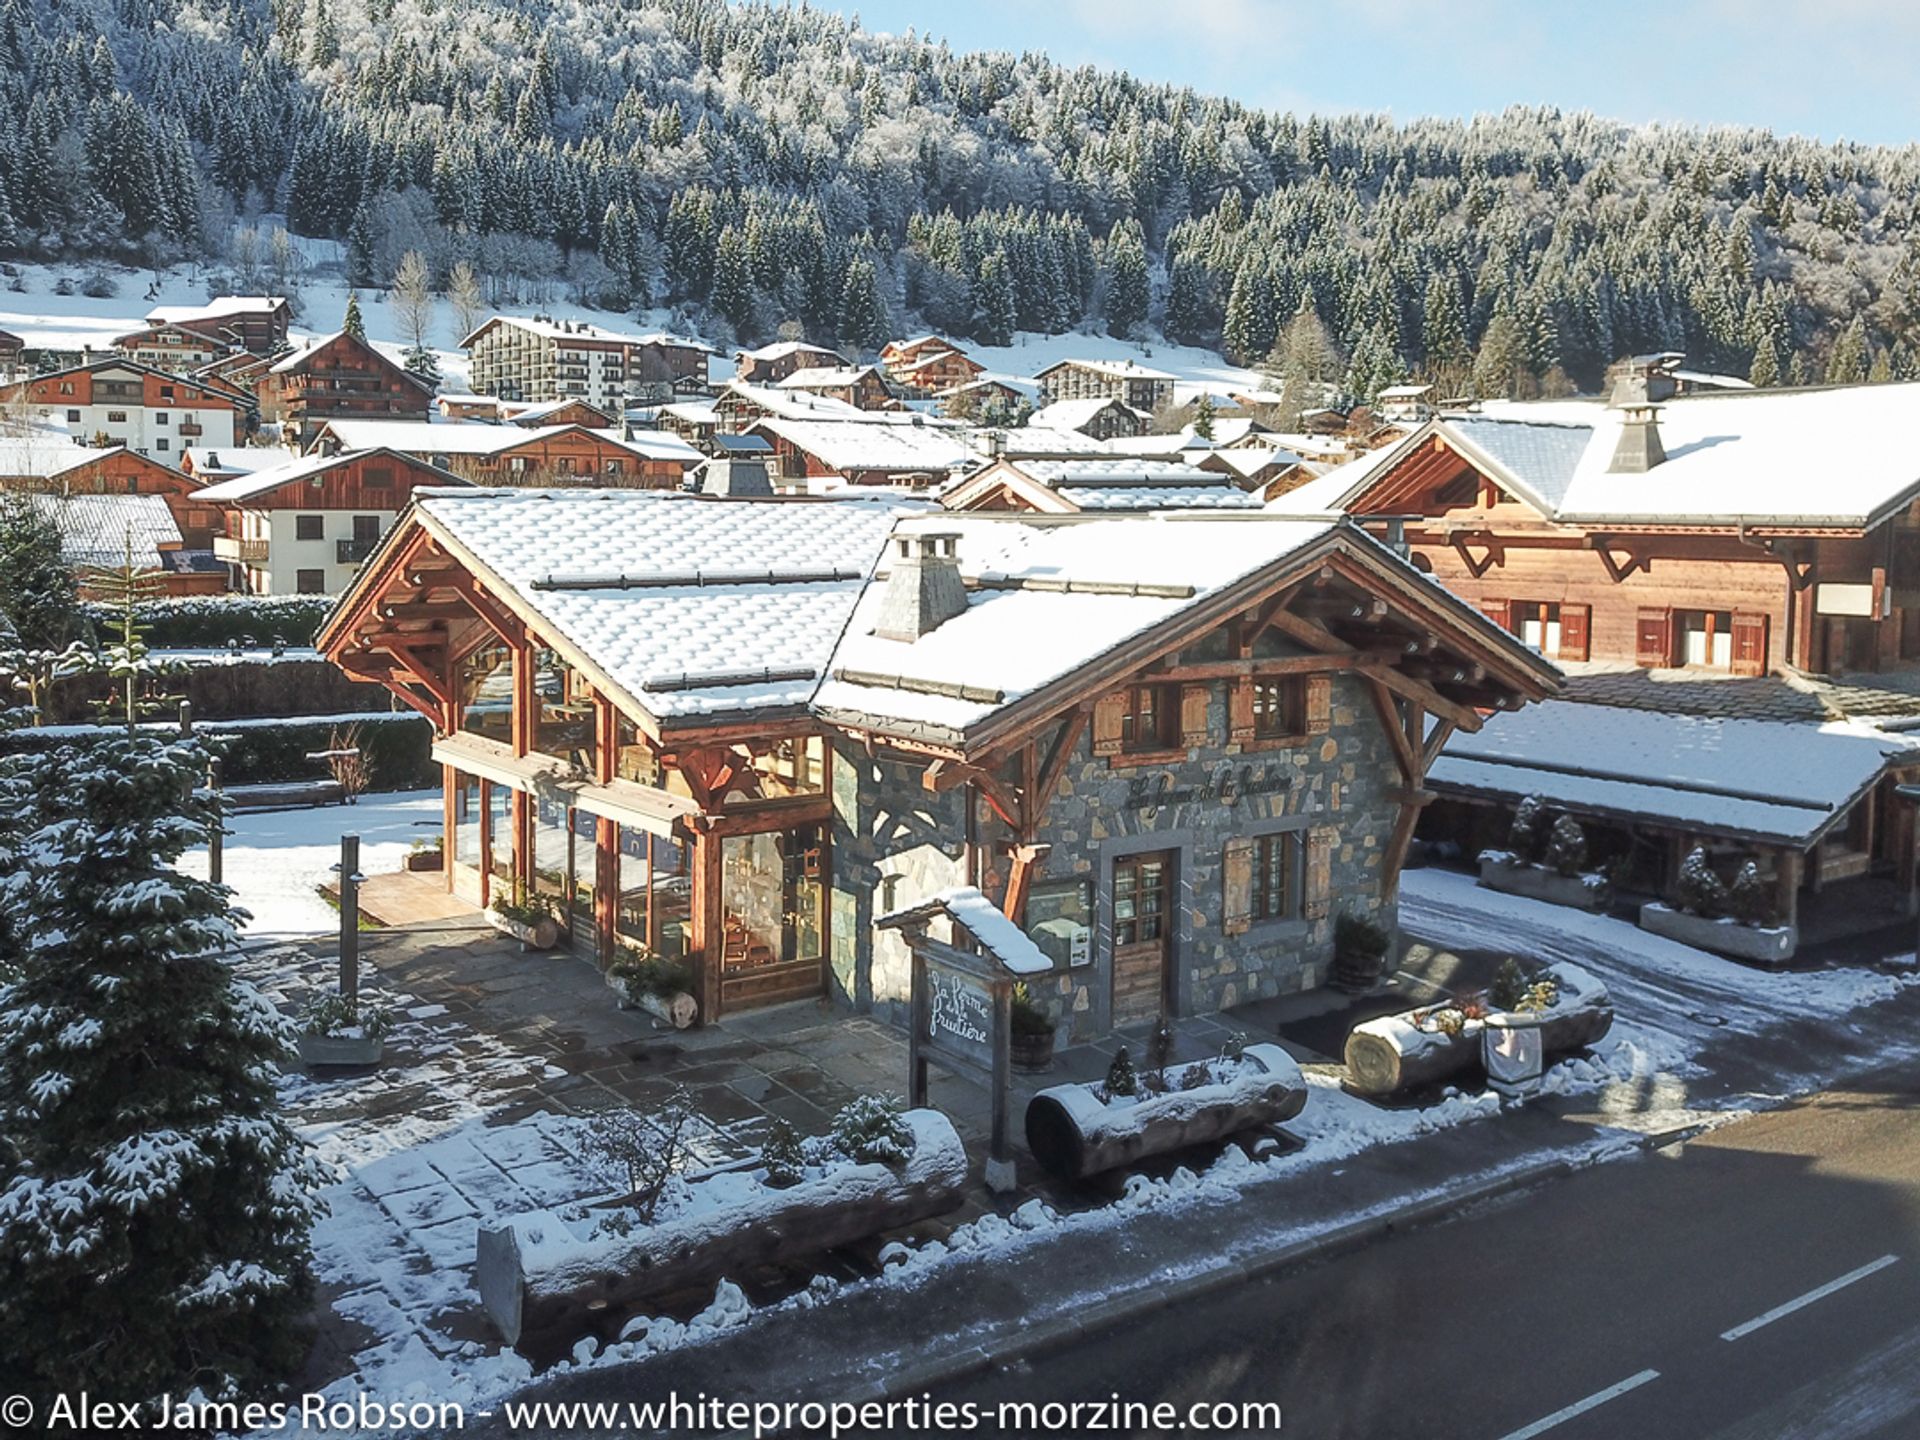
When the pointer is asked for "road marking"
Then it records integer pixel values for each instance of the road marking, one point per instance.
(1581, 1407)
(1778, 1311)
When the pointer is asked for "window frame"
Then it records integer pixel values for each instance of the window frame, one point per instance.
(1164, 737)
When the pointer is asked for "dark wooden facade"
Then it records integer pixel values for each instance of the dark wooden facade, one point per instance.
(342, 378)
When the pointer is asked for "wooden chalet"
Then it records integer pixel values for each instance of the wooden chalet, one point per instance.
(337, 377)
(928, 365)
(1097, 484)
(178, 348)
(771, 364)
(12, 350)
(910, 455)
(572, 411)
(1139, 386)
(1737, 531)
(862, 386)
(1175, 750)
(255, 323)
(1100, 416)
(115, 401)
(511, 455)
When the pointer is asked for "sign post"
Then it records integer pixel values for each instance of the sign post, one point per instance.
(962, 1018)
(350, 878)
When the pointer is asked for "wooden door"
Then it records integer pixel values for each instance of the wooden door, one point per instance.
(1142, 920)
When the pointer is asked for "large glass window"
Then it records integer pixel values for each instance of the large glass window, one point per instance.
(1060, 919)
(552, 848)
(771, 898)
(500, 833)
(486, 693)
(564, 726)
(1706, 637)
(466, 820)
(583, 868)
(655, 911)
(1273, 887)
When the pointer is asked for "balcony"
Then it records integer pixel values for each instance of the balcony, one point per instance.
(239, 552)
(352, 552)
(189, 427)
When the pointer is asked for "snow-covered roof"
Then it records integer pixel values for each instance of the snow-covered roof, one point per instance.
(523, 413)
(1015, 637)
(479, 438)
(96, 530)
(46, 455)
(728, 605)
(1754, 779)
(1174, 442)
(690, 412)
(967, 907)
(1405, 392)
(825, 377)
(652, 444)
(242, 488)
(1117, 369)
(1327, 494)
(234, 459)
(780, 349)
(221, 307)
(1072, 414)
(1031, 439)
(855, 448)
(1249, 460)
(579, 330)
(1828, 458)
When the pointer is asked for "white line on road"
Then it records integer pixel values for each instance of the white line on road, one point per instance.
(1807, 1299)
(1581, 1407)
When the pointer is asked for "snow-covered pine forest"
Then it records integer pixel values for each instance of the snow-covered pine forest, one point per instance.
(764, 169)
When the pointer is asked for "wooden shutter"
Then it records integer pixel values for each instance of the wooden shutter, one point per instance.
(1653, 639)
(1236, 870)
(1193, 715)
(1240, 710)
(1107, 711)
(1749, 643)
(1575, 623)
(1500, 612)
(1319, 894)
(1319, 704)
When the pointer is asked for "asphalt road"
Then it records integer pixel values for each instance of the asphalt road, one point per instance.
(1759, 1283)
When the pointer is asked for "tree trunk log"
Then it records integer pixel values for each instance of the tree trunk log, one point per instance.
(1073, 1135)
(545, 1288)
(1391, 1054)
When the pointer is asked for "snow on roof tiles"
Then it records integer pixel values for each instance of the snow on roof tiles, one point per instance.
(218, 308)
(1216, 496)
(97, 530)
(982, 919)
(1764, 779)
(45, 454)
(851, 447)
(1118, 369)
(670, 631)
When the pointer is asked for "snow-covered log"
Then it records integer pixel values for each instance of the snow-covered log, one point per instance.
(542, 1282)
(1074, 1133)
(1392, 1054)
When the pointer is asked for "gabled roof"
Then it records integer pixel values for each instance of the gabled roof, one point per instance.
(96, 531)
(1117, 369)
(1749, 779)
(826, 377)
(223, 392)
(853, 448)
(1104, 483)
(986, 922)
(45, 455)
(1827, 458)
(302, 355)
(479, 438)
(221, 307)
(1072, 414)
(242, 488)
(780, 349)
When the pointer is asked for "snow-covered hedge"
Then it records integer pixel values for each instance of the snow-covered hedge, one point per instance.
(545, 1276)
(1081, 1129)
(267, 751)
(251, 687)
(185, 620)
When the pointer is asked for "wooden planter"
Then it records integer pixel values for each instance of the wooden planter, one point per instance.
(544, 1287)
(1032, 1053)
(1761, 944)
(1392, 1054)
(426, 860)
(1536, 882)
(1073, 1134)
(326, 1051)
(543, 936)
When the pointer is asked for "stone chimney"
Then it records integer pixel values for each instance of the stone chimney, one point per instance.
(735, 477)
(1639, 449)
(923, 589)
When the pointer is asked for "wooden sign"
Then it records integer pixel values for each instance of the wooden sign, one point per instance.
(963, 1019)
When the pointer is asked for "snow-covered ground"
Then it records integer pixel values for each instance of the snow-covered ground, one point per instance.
(274, 860)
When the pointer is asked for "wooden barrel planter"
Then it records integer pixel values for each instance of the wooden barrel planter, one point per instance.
(544, 1285)
(1393, 1054)
(1074, 1134)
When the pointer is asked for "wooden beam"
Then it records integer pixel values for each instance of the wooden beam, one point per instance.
(1310, 633)
(1463, 716)
(1028, 859)
(1436, 742)
(1056, 763)
(1395, 725)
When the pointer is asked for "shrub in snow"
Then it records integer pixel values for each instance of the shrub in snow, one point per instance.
(649, 1148)
(98, 285)
(1159, 1057)
(1510, 984)
(869, 1129)
(1567, 847)
(1529, 828)
(1120, 1077)
(333, 1014)
(782, 1156)
(1701, 892)
(1750, 900)
(155, 1209)
(182, 621)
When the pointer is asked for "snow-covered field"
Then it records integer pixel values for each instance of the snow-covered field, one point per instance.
(275, 859)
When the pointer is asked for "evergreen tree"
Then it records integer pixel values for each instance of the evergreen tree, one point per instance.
(420, 361)
(37, 593)
(863, 314)
(351, 323)
(154, 1207)
(1500, 367)
(732, 280)
(1847, 361)
(994, 292)
(1187, 320)
(1203, 416)
(1126, 281)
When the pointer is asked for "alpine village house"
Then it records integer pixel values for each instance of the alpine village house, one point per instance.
(1173, 747)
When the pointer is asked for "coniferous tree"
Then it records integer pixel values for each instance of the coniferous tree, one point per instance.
(351, 323)
(1126, 281)
(994, 292)
(154, 1207)
(37, 592)
(864, 324)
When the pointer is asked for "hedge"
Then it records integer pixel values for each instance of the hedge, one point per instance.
(398, 747)
(182, 621)
(239, 690)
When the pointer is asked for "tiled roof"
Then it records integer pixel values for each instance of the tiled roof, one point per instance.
(97, 530)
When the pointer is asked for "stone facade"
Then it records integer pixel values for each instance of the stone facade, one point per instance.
(896, 843)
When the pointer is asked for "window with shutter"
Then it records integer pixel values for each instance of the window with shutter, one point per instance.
(1236, 869)
(1108, 713)
(1193, 716)
(1319, 704)
(1749, 644)
(1240, 710)
(1319, 896)
(1653, 639)
(1576, 621)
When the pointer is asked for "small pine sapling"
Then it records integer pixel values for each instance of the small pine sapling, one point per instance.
(1159, 1058)
(1529, 828)
(1750, 900)
(1567, 847)
(783, 1156)
(1700, 889)
(870, 1129)
(1510, 984)
(1120, 1077)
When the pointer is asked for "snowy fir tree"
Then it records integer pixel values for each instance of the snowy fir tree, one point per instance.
(422, 363)
(1127, 293)
(37, 593)
(351, 323)
(154, 1207)
(127, 658)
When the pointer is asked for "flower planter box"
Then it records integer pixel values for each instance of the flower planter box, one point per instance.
(1762, 944)
(426, 860)
(1073, 1133)
(324, 1051)
(544, 1283)
(543, 936)
(1392, 1054)
(1536, 882)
